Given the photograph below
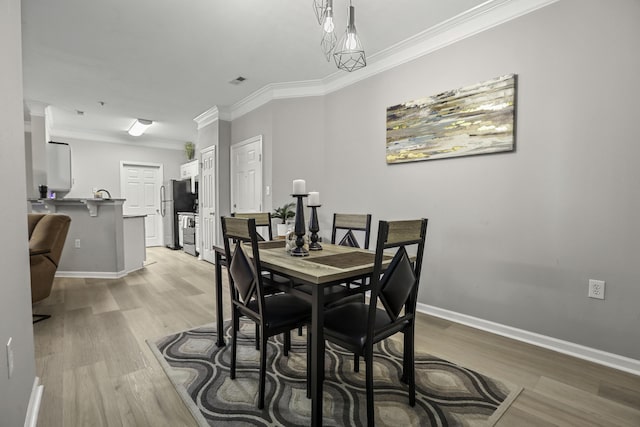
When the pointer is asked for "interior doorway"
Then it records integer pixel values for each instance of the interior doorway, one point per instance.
(207, 203)
(246, 175)
(140, 185)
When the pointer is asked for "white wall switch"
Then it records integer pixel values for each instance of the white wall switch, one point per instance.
(77, 243)
(10, 357)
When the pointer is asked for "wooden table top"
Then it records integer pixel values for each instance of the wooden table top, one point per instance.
(280, 261)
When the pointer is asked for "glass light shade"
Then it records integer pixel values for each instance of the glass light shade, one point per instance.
(349, 54)
(327, 17)
(329, 38)
(139, 126)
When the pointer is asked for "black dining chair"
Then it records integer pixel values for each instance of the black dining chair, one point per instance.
(357, 326)
(344, 226)
(263, 220)
(276, 283)
(275, 314)
(348, 223)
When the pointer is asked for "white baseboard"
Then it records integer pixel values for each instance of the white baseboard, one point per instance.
(611, 360)
(92, 274)
(31, 420)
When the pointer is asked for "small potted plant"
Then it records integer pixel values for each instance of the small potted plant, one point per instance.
(189, 150)
(284, 213)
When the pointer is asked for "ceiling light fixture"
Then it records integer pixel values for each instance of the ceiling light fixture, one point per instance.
(349, 54)
(329, 39)
(139, 126)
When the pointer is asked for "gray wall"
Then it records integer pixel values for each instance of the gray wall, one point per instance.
(513, 238)
(292, 145)
(15, 298)
(97, 164)
(257, 122)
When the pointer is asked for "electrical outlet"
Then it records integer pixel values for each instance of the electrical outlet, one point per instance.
(10, 357)
(596, 289)
(77, 243)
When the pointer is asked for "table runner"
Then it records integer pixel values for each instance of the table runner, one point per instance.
(346, 260)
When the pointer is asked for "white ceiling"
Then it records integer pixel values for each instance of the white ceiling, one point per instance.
(169, 60)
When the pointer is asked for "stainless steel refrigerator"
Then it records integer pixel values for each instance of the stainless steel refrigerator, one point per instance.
(175, 196)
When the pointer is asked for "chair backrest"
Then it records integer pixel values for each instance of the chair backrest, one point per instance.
(263, 219)
(397, 286)
(245, 280)
(350, 223)
(48, 231)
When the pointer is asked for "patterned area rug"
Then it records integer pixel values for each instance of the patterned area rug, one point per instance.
(446, 394)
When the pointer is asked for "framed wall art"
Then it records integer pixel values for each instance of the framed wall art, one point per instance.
(477, 119)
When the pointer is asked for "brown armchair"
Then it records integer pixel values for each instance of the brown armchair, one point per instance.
(47, 234)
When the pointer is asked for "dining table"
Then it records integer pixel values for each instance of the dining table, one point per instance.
(332, 265)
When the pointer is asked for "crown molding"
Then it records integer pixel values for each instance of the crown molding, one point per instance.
(36, 108)
(62, 134)
(277, 91)
(467, 24)
(211, 115)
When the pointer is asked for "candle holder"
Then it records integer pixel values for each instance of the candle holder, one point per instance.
(314, 228)
(299, 229)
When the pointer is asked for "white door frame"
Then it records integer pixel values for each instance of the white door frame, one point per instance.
(159, 181)
(234, 147)
(208, 220)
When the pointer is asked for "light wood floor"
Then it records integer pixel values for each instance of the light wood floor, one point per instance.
(97, 369)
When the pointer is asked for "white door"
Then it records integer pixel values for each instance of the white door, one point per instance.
(246, 175)
(140, 185)
(207, 203)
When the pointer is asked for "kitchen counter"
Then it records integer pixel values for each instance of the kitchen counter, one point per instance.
(102, 242)
(92, 203)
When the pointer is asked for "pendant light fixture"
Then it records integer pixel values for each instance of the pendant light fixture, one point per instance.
(329, 38)
(319, 9)
(349, 54)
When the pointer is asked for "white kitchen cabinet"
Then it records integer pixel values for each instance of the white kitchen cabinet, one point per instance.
(190, 171)
(59, 167)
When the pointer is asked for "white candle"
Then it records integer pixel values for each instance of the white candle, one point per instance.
(314, 198)
(299, 186)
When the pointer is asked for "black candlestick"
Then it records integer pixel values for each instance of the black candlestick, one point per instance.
(314, 228)
(299, 250)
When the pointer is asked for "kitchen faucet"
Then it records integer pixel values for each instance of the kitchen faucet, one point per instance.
(106, 191)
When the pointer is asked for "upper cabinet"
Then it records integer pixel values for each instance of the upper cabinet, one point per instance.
(59, 167)
(190, 171)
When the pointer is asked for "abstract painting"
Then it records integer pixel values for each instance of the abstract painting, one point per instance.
(477, 119)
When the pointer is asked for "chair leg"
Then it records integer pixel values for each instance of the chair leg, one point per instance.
(299, 331)
(263, 369)
(257, 337)
(405, 359)
(40, 317)
(308, 363)
(356, 362)
(234, 344)
(287, 343)
(410, 366)
(368, 359)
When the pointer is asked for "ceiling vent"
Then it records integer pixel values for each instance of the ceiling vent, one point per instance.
(237, 80)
